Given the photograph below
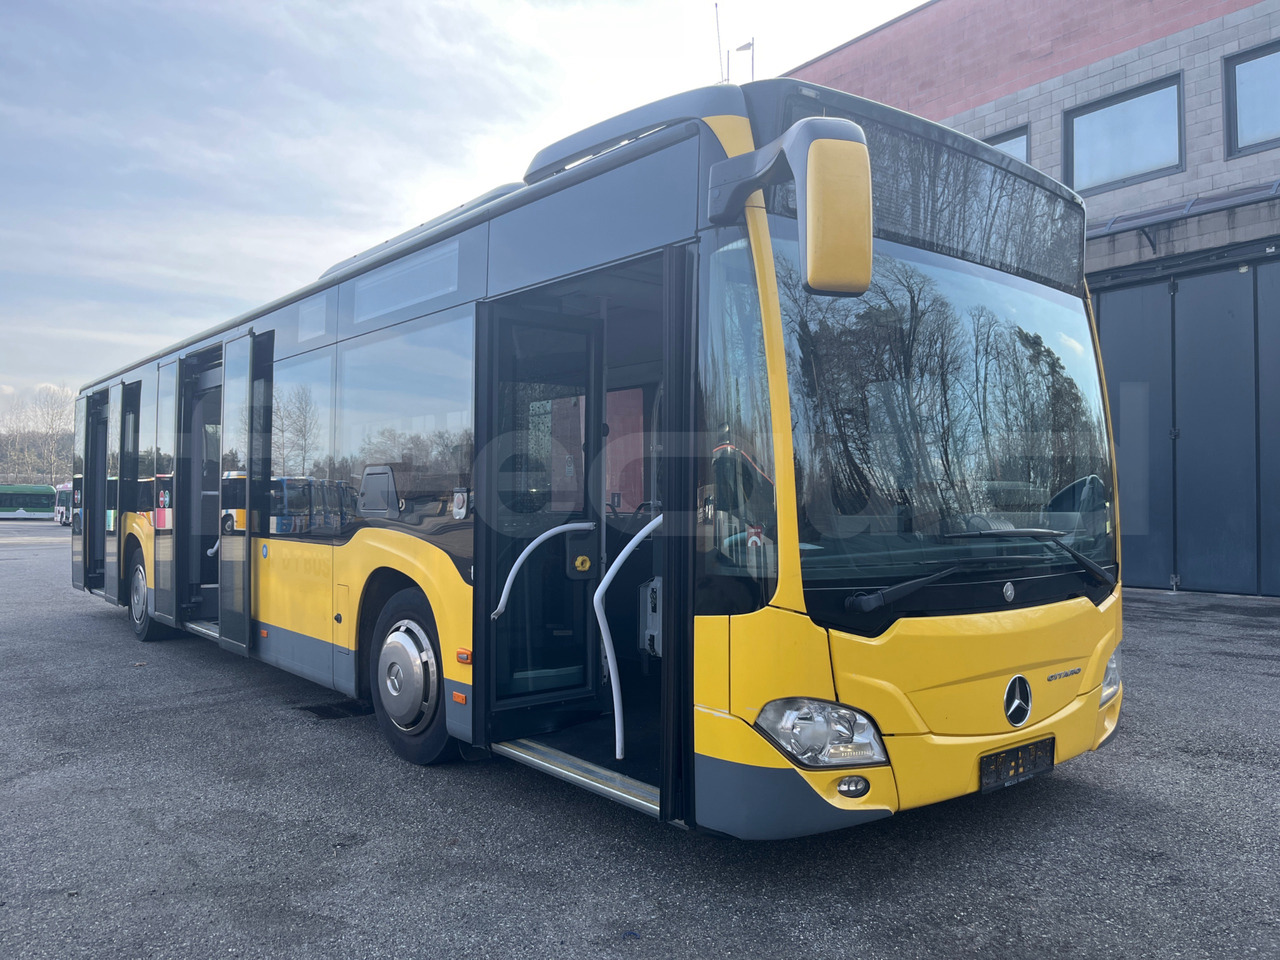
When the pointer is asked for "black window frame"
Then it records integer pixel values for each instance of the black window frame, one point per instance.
(1230, 131)
(1132, 93)
(1014, 133)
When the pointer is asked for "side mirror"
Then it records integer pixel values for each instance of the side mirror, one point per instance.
(827, 157)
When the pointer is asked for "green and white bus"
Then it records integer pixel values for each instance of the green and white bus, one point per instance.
(26, 501)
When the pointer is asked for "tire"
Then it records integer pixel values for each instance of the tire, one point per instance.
(406, 681)
(144, 628)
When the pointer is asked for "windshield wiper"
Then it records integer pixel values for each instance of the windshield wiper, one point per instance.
(866, 602)
(1100, 574)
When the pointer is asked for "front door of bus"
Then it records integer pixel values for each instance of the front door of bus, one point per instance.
(540, 438)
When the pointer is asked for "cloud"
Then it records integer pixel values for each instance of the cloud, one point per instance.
(1075, 346)
(173, 163)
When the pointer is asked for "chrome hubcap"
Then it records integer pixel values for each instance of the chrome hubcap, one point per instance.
(408, 676)
(138, 595)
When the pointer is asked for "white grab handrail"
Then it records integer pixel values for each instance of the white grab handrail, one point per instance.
(607, 638)
(524, 555)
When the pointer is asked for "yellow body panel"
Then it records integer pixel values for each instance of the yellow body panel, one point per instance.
(726, 737)
(883, 794)
(138, 526)
(947, 675)
(776, 653)
(790, 592)
(838, 217)
(711, 662)
(931, 768)
(293, 586)
(429, 567)
(734, 133)
(950, 672)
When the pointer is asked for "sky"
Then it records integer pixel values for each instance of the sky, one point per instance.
(168, 164)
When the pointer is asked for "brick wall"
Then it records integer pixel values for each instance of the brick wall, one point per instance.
(948, 61)
(1197, 52)
(952, 55)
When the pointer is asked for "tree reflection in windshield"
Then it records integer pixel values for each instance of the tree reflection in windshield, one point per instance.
(948, 398)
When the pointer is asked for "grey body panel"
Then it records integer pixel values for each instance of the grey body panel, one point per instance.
(714, 101)
(457, 716)
(584, 222)
(765, 803)
(298, 653)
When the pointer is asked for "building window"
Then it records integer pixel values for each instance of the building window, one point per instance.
(1253, 110)
(1015, 143)
(1128, 138)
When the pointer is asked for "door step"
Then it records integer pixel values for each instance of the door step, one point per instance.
(202, 628)
(589, 776)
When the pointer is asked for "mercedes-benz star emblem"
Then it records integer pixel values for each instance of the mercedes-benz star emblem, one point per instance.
(1008, 592)
(1017, 700)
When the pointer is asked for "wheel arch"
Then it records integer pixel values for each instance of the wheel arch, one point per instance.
(131, 543)
(377, 564)
(381, 585)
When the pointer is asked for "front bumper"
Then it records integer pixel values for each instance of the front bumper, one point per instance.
(771, 799)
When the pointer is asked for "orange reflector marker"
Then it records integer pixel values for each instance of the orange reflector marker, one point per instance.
(459, 697)
(263, 633)
(464, 655)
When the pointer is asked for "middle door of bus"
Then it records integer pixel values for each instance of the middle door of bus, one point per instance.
(544, 428)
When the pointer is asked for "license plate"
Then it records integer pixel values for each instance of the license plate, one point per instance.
(1004, 769)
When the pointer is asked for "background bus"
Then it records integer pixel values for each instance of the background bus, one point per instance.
(26, 501)
(646, 473)
(62, 504)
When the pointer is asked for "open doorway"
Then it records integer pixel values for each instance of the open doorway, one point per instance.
(576, 395)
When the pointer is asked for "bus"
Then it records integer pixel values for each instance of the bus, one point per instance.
(62, 504)
(748, 463)
(26, 501)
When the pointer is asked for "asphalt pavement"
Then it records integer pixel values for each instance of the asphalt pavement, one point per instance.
(173, 800)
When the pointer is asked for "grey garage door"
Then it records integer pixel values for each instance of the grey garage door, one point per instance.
(1192, 370)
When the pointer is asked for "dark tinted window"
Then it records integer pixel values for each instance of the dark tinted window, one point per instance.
(933, 194)
(166, 426)
(406, 396)
(147, 443)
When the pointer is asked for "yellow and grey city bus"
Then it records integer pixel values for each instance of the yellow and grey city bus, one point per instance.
(748, 463)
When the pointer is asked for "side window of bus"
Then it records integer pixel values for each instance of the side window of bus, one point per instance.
(736, 560)
(405, 428)
(302, 445)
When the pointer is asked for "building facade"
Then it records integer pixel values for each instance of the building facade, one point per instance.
(1165, 116)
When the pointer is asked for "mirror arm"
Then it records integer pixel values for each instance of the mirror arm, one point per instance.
(735, 179)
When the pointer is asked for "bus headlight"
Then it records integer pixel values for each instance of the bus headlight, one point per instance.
(1111, 679)
(816, 733)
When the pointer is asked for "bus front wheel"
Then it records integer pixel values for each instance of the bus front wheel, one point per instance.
(406, 681)
(144, 627)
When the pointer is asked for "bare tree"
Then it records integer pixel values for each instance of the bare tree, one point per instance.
(50, 426)
(296, 433)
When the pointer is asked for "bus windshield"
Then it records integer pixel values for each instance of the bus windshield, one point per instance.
(950, 399)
